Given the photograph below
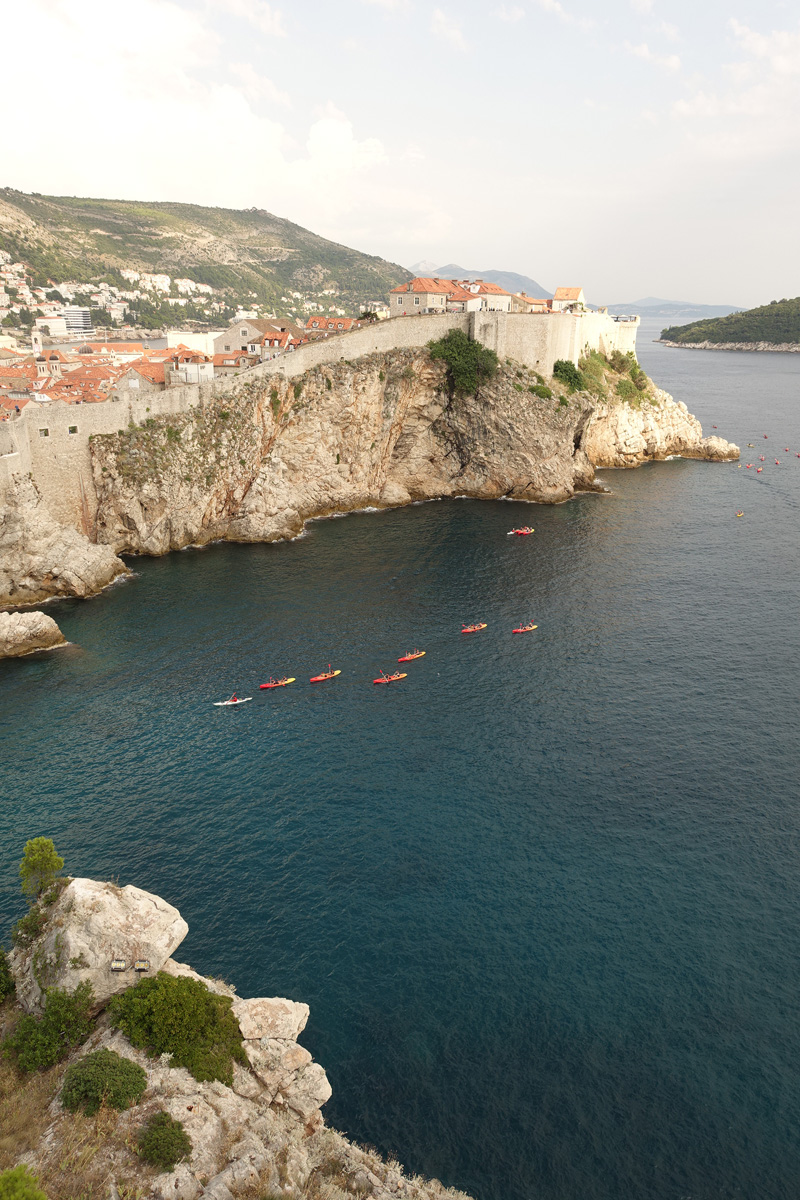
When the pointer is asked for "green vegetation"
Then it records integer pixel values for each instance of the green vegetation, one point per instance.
(541, 390)
(250, 254)
(40, 1042)
(469, 364)
(6, 978)
(180, 1017)
(20, 1184)
(568, 374)
(164, 1142)
(103, 1078)
(777, 322)
(28, 928)
(39, 866)
(627, 390)
(297, 389)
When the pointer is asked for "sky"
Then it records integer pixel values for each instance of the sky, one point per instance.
(631, 147)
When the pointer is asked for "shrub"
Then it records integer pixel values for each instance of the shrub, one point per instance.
(40, 1042)
(469, 364)
(541, 390)
(28, 928)
(102, 1078)
(381, 375)
(568, 374)
(328, 383)
(181, 1017)
(19, 1184)
(173, 434)
(224, 414)
(164, 1142)
(297, 389)
(39, 867)
(518, 387)
(6, 978)
(621, 362)
(627, 390)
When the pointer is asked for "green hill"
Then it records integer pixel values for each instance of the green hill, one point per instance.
(777, 322)
(238, 253)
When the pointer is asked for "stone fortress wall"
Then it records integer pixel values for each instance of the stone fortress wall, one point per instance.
(50, 441)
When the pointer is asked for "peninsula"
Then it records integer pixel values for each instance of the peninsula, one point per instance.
(774, 326)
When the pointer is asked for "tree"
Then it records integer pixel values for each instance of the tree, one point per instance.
(39, 867)
(19, 1184)
(469, 364)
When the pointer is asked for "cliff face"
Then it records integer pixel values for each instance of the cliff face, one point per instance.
(380, 432)
(620, 435)
(40, 558)
(22, 633)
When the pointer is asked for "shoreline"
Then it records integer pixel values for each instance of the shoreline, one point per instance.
(761, 347)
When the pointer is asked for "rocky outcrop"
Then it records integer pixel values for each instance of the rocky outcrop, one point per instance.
(264, 1135)
(90, 926)
(40, 559)
(22, 633)
(622, 435)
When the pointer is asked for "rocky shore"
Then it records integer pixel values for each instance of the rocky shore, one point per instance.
(262, 1136)
(381, 431)
(23, 633)
(783, 347)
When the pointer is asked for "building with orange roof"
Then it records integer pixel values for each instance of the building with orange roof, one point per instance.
(568, 299)
(523, 303)
(422, 294)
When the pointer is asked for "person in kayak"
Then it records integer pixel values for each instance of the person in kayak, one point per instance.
(234, 698)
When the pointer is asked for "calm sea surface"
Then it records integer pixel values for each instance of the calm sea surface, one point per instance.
(542, 895)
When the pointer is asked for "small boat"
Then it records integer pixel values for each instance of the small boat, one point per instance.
(473, 628)
(410, 657)
(748, 466)
(525, 628)
(750, 445)
(761, 458)
(740, 513)
(233, 700)
(521, 532)
(759, 470)
(384, 678)
(765, 435)
(329, 674)
(786, 448)
(777, 462)
(273, 683)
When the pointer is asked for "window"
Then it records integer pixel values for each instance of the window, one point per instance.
(400, 300)
(244, 333)
(416, 299)
(72, 429)
(227, 347)
(44, 433)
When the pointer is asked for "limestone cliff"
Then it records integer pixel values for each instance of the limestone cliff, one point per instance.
(22, 633)
(381, 431)
(264, 1135)
(40, 558)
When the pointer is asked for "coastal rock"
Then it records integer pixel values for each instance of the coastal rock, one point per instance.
(90, 925)
(40, 558)
(270, 1018)
(620, 435)
(784, 347)
(22, 633)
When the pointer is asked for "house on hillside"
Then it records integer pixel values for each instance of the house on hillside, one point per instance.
(242, 334)
(521, 302)
(317, 327)
(234, 362)
(142, 376)
(569, 299)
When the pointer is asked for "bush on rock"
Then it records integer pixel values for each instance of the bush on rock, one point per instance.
(469, 364)
(19, 1184)
(164, 1142)
(181, 1017)
(103, 1078)
(40, 1042)
(6, 978)
(568, 374)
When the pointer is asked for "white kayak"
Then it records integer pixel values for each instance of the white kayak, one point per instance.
(221, 703)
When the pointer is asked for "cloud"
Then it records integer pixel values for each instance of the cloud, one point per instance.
(443, 27)
(557, 9)
(387, 4)
(263, 17)
(257, 87)
(670, 62)
(642, 6)
(510, 14)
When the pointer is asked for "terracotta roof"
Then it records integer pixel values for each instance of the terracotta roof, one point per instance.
(426, 284)
(568, 293)
(154, 371)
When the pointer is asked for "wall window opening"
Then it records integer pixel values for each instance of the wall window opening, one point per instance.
(44, 433)
(72, 429)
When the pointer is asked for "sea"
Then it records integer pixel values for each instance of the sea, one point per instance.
(542, 895)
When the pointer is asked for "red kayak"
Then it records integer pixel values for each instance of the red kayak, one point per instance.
(384, 678)
(410, 657)
(525, 628)
(329, 674)
(473, 628)
(273, 683)
(522, 532)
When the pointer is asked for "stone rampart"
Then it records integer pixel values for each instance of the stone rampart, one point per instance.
(51, 440)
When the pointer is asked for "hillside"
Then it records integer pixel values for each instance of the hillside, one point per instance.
(777, 323)
(504, 279)
(245, 256)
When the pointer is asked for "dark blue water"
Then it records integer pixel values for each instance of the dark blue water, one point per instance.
(542, 896)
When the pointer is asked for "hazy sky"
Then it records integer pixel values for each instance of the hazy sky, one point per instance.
(633, 147)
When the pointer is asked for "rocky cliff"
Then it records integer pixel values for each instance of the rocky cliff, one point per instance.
(22, 633)
(381, 431)
(40, 558)
(263, 1136)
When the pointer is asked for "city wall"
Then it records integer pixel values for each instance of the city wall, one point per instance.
(59, 459)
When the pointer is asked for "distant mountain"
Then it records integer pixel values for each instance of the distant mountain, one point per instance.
(241, 254)
(654, 306)
(424, 268)
(777, 322)
(504, 279)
